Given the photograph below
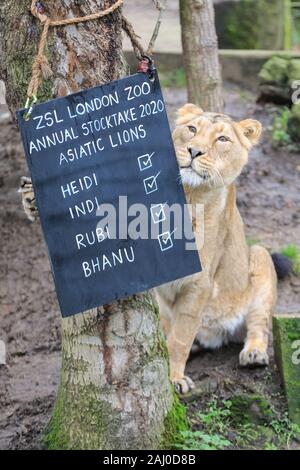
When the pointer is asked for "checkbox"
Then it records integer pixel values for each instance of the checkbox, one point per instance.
(150, 184)
(165, 241)
(158, 213)
(145, 161)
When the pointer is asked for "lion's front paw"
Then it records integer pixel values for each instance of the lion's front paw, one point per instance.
(28, 198)
(183, 385)
(254, 355)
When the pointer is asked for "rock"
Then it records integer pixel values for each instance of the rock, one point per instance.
(250, 408)
(293, 70)
(207, 385)
(231, 436)
(286, 332)
(275, 71)
(5, 116)
(276, 77)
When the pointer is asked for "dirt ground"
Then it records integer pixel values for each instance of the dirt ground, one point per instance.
(269, 200)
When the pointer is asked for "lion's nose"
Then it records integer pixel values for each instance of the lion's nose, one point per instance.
(195, 152)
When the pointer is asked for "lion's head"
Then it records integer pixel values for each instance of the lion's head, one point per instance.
(211, 148)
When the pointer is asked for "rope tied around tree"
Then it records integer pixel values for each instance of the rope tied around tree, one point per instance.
(40, 66)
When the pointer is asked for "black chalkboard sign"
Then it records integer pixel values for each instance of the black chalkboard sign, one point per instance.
(104, 169)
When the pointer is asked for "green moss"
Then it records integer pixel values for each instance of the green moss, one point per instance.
(252, 408)
(147, 302)
(175, 424)
(82, 406)
(275, 70)
(55, 438)
(21, 76)
(159, 348)
(21, 33)
(144, 301)
(291, 250)
(294, 70)
(277, 77)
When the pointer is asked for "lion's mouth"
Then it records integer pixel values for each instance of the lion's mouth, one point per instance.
(203, 174)
(186, 166)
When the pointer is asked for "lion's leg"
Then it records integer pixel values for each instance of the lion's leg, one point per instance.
(185, 326)
(28, 198)
(264, 292)
(165, 313)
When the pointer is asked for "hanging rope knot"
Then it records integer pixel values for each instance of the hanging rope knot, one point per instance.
(143, 65)
(40, 8)
(41, 68)
(146, 65)
(43, 64)
(39, 11)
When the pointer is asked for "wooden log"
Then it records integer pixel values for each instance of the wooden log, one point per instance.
(286, 331)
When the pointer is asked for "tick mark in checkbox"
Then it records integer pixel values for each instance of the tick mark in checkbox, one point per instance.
(158, 213)
(165, 240)
(145, 161)
(150, 184)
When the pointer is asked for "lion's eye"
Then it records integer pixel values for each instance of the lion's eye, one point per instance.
(192, 129)
(222, 138)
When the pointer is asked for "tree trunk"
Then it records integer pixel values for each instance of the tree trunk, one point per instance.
(200, 53)
(115, 391)
(286, 334)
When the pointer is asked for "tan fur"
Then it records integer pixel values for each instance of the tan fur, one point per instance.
(237, 287)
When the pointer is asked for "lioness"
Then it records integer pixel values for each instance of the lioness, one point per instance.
(237, 287)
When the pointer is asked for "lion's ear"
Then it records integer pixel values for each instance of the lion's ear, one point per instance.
(188, 112)
(251, 129)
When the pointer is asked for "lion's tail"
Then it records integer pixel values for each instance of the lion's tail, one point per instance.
(283, 265)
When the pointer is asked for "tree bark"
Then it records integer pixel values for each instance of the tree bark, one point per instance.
(200, 54)
(115, 391)
(286, 334)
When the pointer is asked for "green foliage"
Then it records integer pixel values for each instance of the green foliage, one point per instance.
(279, 131)
(285, 129)
(198, 440)
(270, 446)
(216, 419)
(293, 253)
(247, 435)
(293, 124)
(174, 78)
(251, 24)
(214, 425)
(221, 428)
(240, 30)
(285, 430)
